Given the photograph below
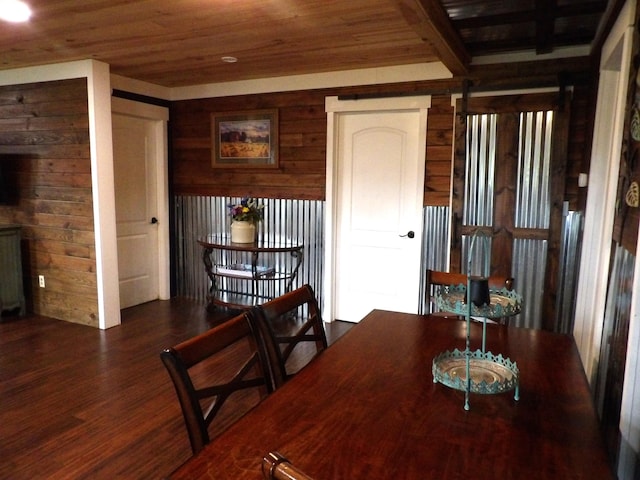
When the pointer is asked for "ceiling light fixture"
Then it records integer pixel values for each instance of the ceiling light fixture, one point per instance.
(229, 59)
(14, 11)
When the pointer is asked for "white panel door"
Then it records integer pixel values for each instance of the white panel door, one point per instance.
(380, 180)
(136, 207)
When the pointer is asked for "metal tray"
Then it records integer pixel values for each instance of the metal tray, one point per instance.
(504, 303)
(489, 374)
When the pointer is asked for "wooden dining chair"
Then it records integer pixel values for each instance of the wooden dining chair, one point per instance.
(436, 279)
(207, 369)
(291, 322)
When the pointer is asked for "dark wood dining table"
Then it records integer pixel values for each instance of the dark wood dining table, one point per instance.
(367, 408)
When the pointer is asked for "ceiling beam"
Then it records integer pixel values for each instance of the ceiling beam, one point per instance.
(429, 19)
(545, 23)
(524, 44)
(587, 8)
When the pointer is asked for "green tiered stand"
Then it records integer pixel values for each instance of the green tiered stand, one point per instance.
(477, 371)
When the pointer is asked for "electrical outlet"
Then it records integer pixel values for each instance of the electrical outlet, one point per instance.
(41, 281)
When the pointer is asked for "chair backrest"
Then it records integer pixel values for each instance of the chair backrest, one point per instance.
(287, 322)
(209, 367)
(436, 278)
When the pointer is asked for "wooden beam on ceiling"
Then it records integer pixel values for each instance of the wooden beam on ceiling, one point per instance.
(545, 22)
(429, 19)
(545, 14)
(523, 44)
(588, 8)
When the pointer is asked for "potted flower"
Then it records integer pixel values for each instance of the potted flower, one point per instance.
(245, 216)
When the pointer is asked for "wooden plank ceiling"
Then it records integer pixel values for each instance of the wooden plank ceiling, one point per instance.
(182, 42)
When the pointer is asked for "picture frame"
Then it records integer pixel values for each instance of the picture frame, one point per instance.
(245, 139)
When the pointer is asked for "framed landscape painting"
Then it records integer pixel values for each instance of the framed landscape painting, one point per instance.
(245, 139)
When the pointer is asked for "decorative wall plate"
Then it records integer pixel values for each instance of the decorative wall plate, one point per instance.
(635, 124)
(632, 198)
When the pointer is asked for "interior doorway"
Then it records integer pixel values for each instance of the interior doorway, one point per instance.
(375, 190)
(142, 220)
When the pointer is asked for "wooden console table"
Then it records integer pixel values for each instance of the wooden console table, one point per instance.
(246, 274)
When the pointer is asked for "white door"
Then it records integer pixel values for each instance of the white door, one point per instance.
(136, 209)
(379, 182)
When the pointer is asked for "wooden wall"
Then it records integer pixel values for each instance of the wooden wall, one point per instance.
(303, 135)
(45, 152)
(45, 155)
(579, 146)
(302, 129)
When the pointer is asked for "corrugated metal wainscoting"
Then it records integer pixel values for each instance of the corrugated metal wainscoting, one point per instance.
(435, 249)
(297, 220)
(435, 256)
(568, 269)
(303, 220)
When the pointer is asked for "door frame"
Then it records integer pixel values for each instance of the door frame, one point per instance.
(601, 198)
(334, 107)
(159, 116)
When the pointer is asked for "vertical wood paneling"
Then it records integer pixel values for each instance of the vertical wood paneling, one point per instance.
(44, 140)
(506, 185)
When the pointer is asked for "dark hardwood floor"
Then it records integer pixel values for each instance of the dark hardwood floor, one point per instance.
(77, 402)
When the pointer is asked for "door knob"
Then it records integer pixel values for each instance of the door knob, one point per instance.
(409, 234)
(154, 220)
